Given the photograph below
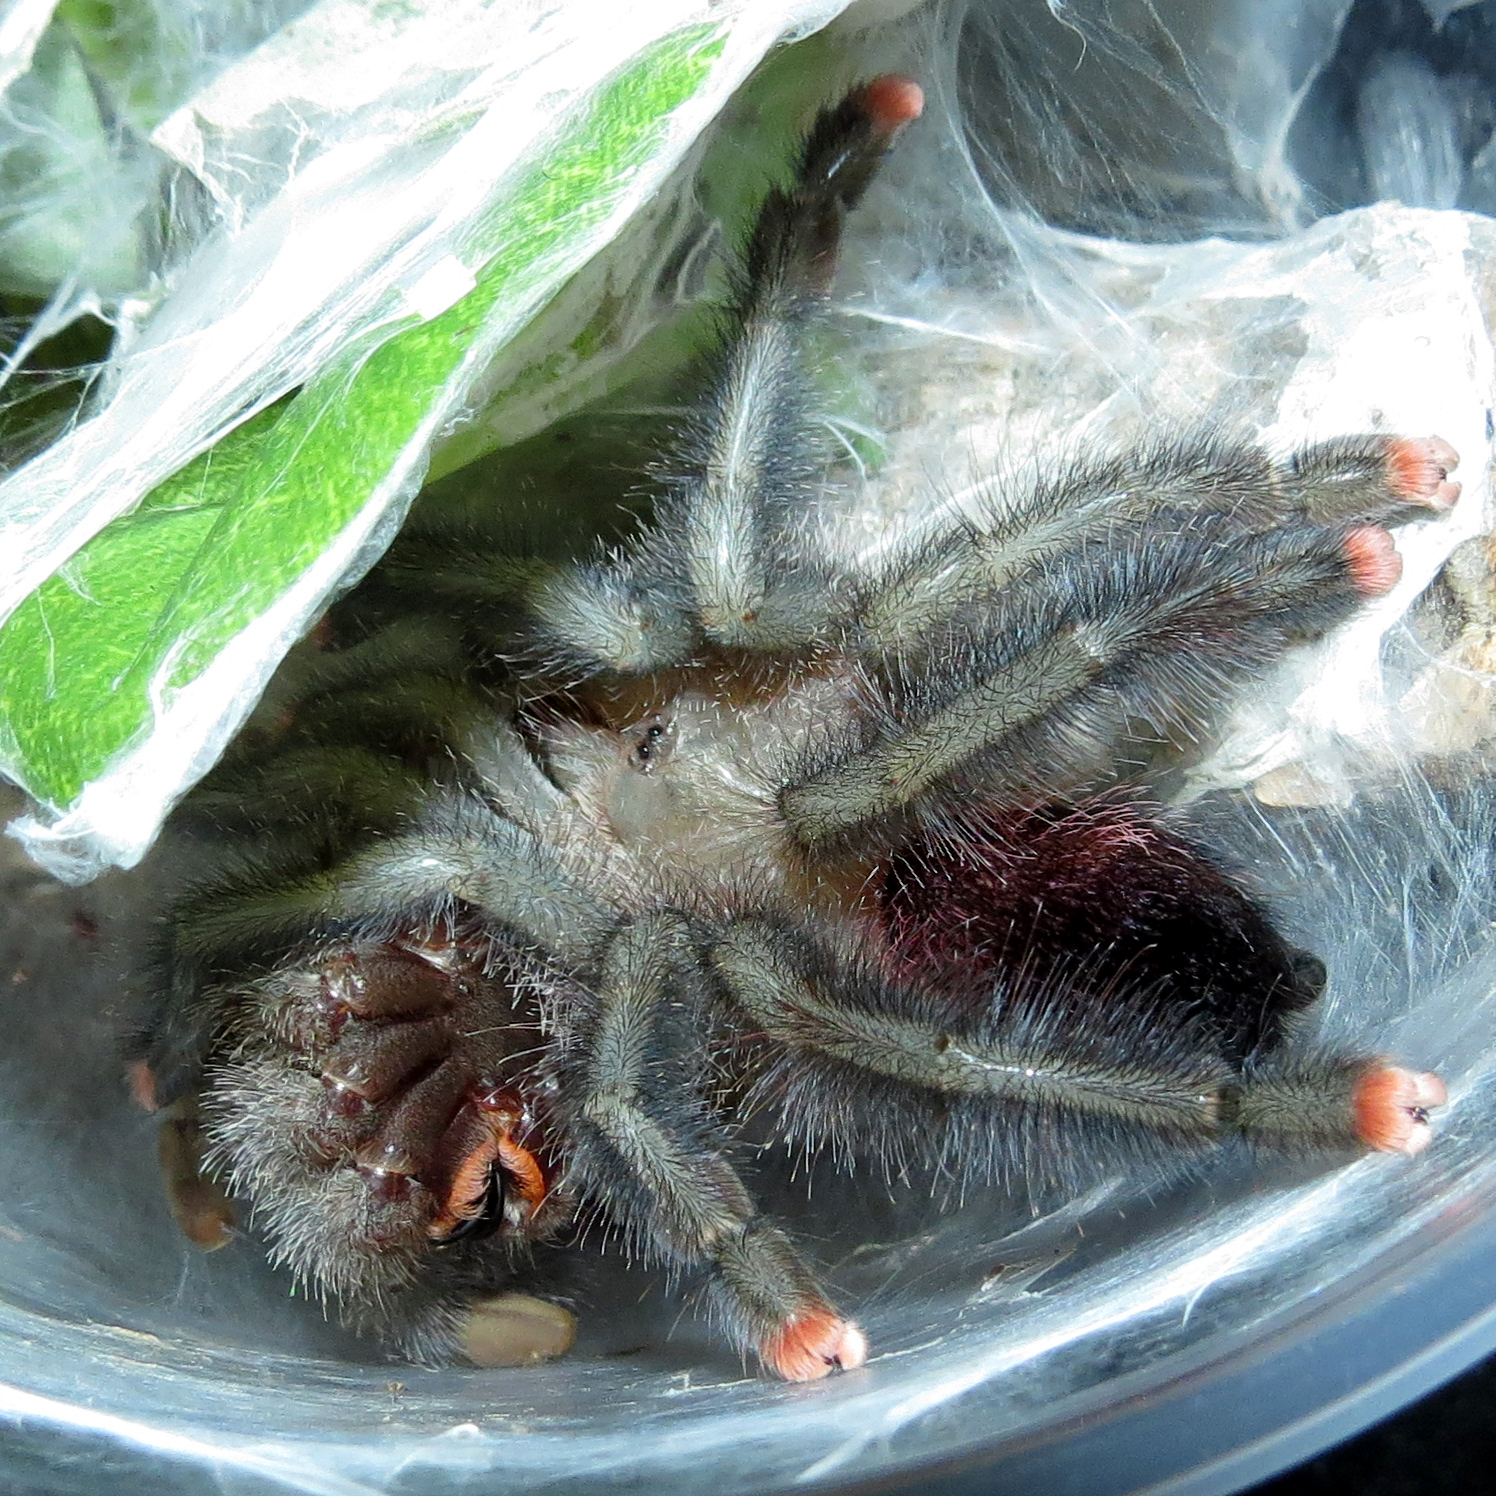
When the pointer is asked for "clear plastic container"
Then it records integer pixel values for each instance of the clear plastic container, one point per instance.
(1204, 1333)
(1190, 1334)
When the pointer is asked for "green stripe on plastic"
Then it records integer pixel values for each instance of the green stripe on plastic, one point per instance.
(149, 603)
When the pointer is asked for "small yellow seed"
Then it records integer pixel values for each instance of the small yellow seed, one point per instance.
(515, 1329)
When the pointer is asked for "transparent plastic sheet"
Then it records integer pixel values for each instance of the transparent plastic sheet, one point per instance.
(974, 337)
(370, 168)
(82, 87)
(1039, 341)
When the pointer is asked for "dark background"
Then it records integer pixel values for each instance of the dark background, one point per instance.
(1442, 1446)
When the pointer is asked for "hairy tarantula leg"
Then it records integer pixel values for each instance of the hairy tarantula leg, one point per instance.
(459, 850)
(1355, 480)
(1169, 1083)
(658, 1168)
(1371, 480)
(1334, 1101)
(462, 850)
(798, 999)
(510, 778)
(1156, 631)
(600, 615)
(747, 464)
(750, 473)
(728, 561)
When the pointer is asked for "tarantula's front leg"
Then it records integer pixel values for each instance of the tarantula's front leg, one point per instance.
(1021, 667)
(729, 562)
(652, 1158)
(991, 1085)
(459, 849)
(378, 1089)
(1231, 490)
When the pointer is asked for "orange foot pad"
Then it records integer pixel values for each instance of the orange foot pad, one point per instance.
(892, 101)
(807, 1345)
(1420, 467)
(1375, 566)
(1391, 1107)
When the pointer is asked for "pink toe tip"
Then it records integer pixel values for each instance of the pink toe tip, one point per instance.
(892, 101)
(810, 1344)
(1419, 468)
(1372, 559)
(1391, 1107)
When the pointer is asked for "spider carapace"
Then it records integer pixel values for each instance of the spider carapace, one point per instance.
(724, 825)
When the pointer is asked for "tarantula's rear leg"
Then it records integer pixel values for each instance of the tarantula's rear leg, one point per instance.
(381, 1104)
(654, 1161)
(1032, 690)
(1016, 1084)
(728, 562)
(378, 1093)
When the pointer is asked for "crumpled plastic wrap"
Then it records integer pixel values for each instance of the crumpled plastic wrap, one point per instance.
(349, 155)
(1288, 342)
(992, 310)
(1036, 342)
(350, 163)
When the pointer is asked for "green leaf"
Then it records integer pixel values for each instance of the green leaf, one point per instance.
(90, 659)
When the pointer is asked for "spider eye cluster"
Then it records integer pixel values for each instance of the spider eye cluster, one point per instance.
(652, 746)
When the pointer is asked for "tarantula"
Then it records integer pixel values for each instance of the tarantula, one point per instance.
(716, 826)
